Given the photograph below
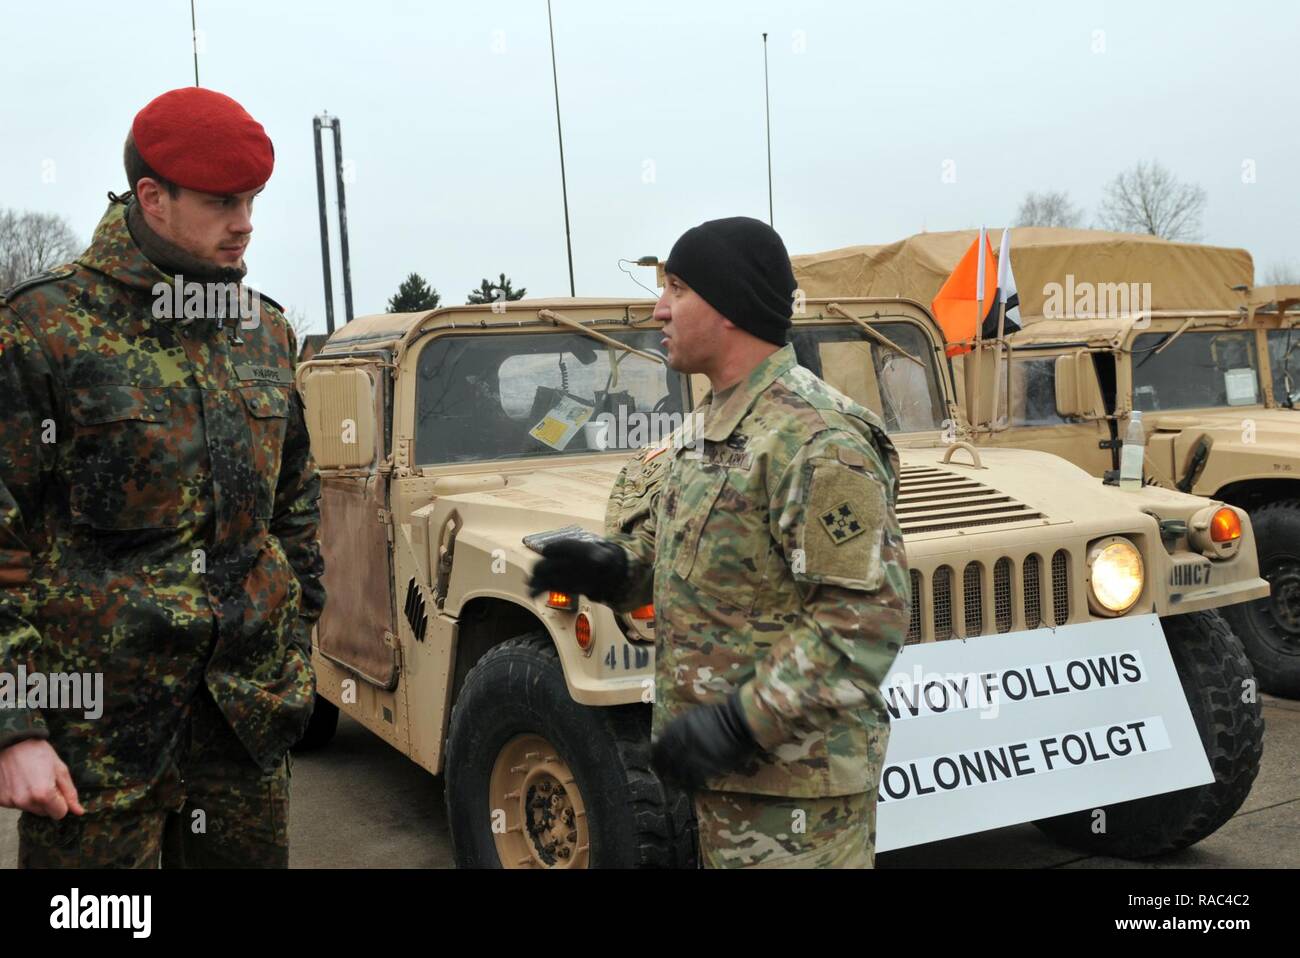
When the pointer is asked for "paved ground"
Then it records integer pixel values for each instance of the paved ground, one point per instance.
(360, 804)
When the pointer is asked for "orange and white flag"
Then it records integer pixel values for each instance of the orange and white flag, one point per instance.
(957, 304)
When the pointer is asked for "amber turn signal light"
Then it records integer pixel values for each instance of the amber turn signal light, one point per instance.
(1225, 526)
(643, 613)
(560, 600)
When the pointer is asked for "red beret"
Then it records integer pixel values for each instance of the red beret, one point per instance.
(203, 140)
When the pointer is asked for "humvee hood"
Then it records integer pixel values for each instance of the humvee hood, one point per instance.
(1012, 487)
(551, 496)
(1257, 429)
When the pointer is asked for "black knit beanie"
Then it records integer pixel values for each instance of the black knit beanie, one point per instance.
(741, 268)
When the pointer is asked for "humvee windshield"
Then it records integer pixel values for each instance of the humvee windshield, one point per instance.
(907, 397)
(1198, 370)
(528, 395)
(1284, 355)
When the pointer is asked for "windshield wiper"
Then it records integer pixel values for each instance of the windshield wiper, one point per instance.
(1165, 343)
(874, 333)
(601, 337)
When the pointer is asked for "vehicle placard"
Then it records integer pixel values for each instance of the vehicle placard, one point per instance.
(1004, 729)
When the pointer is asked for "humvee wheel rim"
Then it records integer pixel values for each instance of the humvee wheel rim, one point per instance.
(538, 816)
(1285, 581)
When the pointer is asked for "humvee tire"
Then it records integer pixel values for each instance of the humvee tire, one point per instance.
(534, 779)
(322, 725)
(1215, 674)
(1269, 628)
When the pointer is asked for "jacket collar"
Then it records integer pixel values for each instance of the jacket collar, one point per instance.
(114, 253)
(723, 421)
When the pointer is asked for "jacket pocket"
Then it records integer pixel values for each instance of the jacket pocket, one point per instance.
(123, 464)
(267, 408)
(724, 546)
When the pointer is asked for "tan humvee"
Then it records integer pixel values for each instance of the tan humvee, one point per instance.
(1217, 391)
(1170, 329)
(445, 438)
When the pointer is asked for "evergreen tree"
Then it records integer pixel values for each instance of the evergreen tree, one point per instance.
(414, 296)
(490, 292)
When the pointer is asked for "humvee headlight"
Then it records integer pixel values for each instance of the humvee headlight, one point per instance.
(639, 624)
(1115, 575)
(1216, 532)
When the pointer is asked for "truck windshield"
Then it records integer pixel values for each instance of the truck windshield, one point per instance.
(1199, 370)
(527, 395)
(906, 396)
(1284, 356)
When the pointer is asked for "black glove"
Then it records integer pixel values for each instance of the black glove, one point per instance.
(704, 743)
(595, 568)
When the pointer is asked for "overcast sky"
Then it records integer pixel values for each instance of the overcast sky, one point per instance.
(449, 122)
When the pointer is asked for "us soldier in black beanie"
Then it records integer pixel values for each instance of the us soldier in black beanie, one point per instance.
(776, 567)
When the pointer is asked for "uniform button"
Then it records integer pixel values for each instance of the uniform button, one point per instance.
(159, 406)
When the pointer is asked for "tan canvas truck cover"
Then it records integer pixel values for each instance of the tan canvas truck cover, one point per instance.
(1182, 275)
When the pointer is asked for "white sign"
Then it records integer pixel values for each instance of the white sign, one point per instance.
(1004, 729)
(1240, 385)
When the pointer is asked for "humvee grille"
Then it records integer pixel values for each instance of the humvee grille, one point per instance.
(938, 500)
(914, 625)
(933, 598)
(942, 603)
(1061, 587)
(1032, 575)
(973, 599)
(1002, 594)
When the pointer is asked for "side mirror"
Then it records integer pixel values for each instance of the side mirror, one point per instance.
(1067, 385)
(340, 411)
(1077, 391)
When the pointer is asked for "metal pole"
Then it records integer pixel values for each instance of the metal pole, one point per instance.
(978, 354)
(767, 107)
(999, 356)
(194, 40)
(324, 227)
(343, 220)
(568, 240)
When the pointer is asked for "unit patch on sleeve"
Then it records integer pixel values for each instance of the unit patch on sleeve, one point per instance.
(842, 524)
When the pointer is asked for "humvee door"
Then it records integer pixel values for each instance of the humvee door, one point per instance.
(346, 403)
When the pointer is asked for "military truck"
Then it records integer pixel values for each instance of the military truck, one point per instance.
(446, 438)
(1172, 330)
(1217, 391)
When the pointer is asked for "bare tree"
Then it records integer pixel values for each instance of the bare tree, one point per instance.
(298, 322)
(1282, 274)
(1050, 208)
(32, 242)
(1149, 199)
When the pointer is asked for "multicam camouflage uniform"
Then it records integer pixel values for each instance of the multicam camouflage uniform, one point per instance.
(158, 524)
(776, 566)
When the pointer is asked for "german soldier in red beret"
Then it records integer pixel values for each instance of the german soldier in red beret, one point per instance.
(159, 563)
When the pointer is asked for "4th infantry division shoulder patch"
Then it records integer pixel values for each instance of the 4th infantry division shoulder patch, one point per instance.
(841, 523)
